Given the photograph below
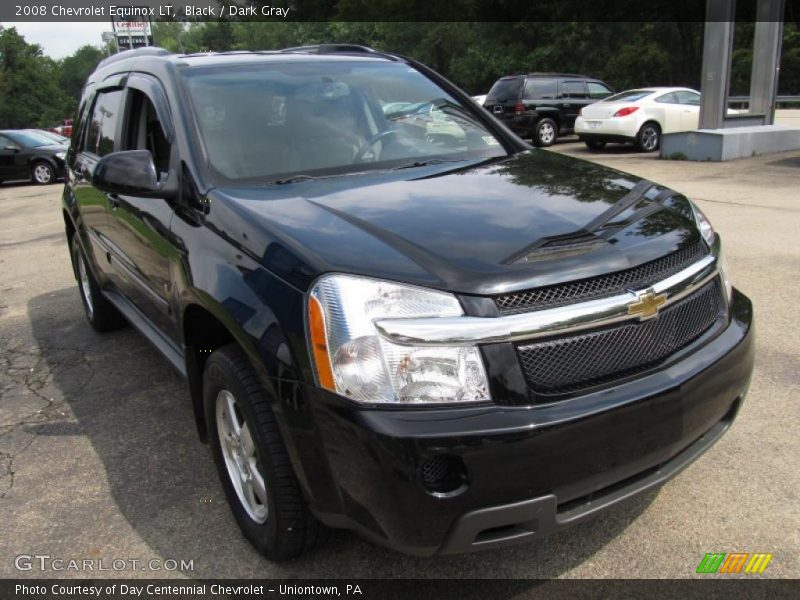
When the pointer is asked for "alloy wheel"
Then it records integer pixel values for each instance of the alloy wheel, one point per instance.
(241, 460)
(42, 173)
(649, 138)
(547, 133)
(86, 290)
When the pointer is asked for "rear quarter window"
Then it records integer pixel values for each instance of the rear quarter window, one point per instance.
(505, 89)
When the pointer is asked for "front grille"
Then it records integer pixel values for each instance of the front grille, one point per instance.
(571, 363)
(606, 285)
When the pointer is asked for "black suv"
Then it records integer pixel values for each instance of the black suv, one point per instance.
(543, 106)
(393, 315)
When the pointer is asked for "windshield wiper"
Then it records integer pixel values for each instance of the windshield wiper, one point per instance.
(425, 163)
(292, 179)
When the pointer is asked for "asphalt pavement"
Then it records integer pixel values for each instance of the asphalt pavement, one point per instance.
(99, 458)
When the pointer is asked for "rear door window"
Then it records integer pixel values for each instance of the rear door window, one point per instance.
(573, 89)
(505, 89)
(540, 88)
(102, 127)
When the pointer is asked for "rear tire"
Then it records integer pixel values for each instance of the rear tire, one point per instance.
(545, 132)
(252, 461)
(42, 173)
(101, 314)
(649, 137)
(594, 144)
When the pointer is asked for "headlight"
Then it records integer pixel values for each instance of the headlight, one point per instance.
(704, 225)
(352, 359)
(60, 155)
(710, 236)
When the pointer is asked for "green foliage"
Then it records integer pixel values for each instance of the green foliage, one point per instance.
(74, 70)
(30, 94)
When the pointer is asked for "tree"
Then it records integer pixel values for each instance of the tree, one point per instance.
(74, 70)
(30, 94)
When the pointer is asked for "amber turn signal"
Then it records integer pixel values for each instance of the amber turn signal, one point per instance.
(319, 345)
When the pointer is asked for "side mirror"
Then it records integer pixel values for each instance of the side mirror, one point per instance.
(128, 172)
(11, 147)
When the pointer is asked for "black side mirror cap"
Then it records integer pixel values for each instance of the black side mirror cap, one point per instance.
(130, 172)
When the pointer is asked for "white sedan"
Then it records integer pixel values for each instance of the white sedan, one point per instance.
(639, 116)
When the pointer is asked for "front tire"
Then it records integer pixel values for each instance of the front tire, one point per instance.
(42, 173)
(594, 144)
(252, 461)
(545, 133)
(649, 137)
(101, 314)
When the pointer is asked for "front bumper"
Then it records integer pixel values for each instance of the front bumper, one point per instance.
(529, 470)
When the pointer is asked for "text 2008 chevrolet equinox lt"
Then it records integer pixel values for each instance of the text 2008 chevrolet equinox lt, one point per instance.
(393, 315)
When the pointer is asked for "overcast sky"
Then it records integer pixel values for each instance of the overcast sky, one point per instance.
(61, 39)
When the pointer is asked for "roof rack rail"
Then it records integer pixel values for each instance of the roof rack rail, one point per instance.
(135, 53)
(330, 49)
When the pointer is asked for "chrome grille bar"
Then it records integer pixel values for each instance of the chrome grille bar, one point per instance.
(469, 331)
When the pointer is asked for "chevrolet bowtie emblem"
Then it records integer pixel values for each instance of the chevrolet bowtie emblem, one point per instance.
(647, 304)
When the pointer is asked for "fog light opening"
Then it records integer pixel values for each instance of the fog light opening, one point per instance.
(444, 475)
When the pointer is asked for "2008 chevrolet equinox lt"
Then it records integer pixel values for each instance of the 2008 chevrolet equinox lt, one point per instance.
(393, 315)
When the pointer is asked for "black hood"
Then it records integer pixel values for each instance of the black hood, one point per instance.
(528, 220)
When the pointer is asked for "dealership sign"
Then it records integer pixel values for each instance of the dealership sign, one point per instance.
(132, 32)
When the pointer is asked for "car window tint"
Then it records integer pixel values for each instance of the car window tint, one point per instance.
(573, 89)
(272, 121)
(629, 96)
(105, 114)
(670, 98)
(540, 88)
(4, 141)
(597, 91)
(505, 89)
(687, 97)
(143, 130)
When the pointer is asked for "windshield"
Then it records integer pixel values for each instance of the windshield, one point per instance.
(280, 120)
(30, 139)
(505, 89)
(629, 96)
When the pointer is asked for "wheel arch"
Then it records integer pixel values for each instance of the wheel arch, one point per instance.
(203, 332)
(41, 158)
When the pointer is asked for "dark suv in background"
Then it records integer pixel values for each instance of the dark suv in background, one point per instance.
(543, 106)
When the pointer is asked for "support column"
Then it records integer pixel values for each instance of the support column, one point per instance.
(766, 58)
(717, 50)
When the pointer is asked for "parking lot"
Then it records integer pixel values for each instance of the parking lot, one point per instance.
(99, 457)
